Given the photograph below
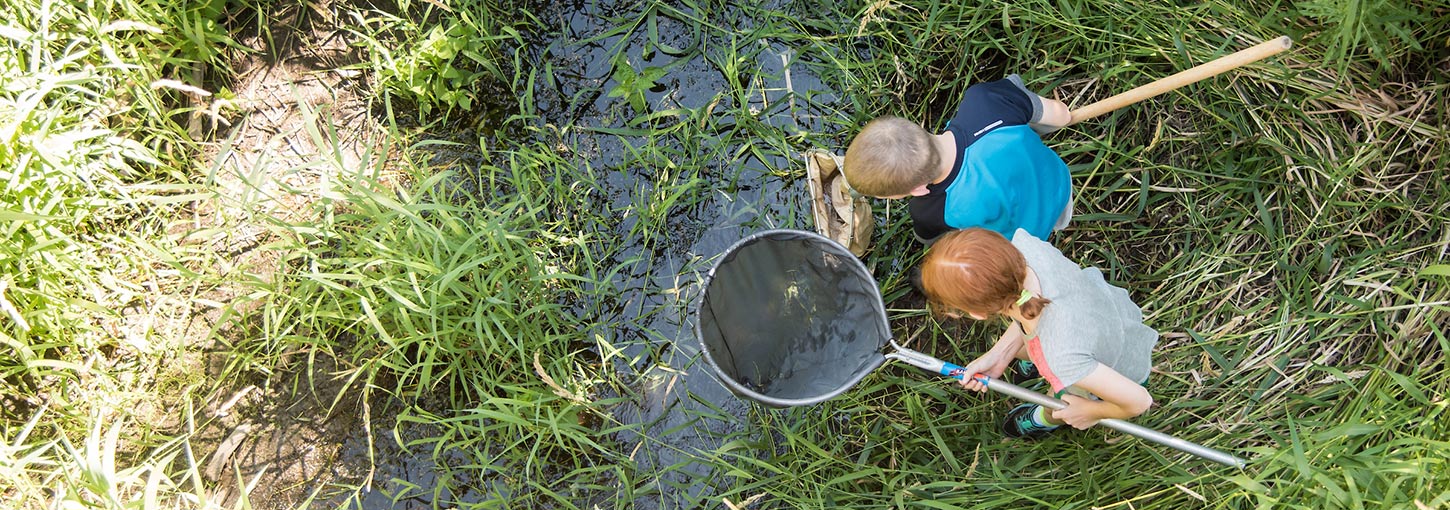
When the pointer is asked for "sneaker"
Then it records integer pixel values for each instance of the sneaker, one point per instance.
(1022, 371)
(1019, 423)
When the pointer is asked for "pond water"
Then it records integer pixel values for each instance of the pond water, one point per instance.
(681, 410)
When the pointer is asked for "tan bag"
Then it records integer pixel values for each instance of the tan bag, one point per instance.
(841, 214)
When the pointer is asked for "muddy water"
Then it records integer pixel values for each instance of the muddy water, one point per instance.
(685, 414)
(682, 413)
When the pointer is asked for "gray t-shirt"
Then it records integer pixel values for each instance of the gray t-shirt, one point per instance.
(1088, 322)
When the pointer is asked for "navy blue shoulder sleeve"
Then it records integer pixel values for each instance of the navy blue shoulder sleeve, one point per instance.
(989, 105)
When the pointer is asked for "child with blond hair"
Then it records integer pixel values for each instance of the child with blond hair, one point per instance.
(988, 169)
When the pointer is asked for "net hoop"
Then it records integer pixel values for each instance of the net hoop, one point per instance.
(849, 267)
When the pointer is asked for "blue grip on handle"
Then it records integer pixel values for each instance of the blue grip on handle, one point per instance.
(956, 371)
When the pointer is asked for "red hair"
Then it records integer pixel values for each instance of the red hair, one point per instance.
(977, 271)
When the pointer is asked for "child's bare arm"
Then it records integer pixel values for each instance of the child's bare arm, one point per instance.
(994, 362)
(1054, 114)
(1121, 399)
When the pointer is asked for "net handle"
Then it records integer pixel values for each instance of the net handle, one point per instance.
(931, 364)
(1193, 75)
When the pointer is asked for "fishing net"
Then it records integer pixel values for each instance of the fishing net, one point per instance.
(791, 318)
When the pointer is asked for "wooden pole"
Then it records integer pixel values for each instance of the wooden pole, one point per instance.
(1198, 73)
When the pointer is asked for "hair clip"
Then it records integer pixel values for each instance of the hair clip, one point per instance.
(1026, 295)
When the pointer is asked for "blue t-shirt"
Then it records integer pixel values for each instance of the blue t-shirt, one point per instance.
(1004, 178)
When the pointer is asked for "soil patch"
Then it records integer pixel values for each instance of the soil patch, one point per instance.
(281, 437)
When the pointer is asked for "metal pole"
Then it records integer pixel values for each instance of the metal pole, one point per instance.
(931, 364)
(1125, 427)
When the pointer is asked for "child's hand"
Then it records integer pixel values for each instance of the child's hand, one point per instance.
(991, 364)
(1054, 114)
(995, 361)
(1081, 413)
(1122, 399)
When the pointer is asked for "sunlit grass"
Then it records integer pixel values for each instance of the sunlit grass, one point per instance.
(94, 116)
(1283, 225)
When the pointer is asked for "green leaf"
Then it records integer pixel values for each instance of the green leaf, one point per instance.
(8, 215)
(1346, 430)
(1434, 270)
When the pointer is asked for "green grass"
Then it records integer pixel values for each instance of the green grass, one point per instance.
(1283, 225)
(94, 162)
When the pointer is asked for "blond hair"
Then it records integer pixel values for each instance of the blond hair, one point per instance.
(890, 157)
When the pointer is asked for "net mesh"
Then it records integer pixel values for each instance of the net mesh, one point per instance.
(790, 317)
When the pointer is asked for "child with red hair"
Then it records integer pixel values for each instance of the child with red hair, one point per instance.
(1085, 337)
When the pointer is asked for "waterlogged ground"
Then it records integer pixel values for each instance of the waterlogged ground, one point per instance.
(647, 318)
(683, 409)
